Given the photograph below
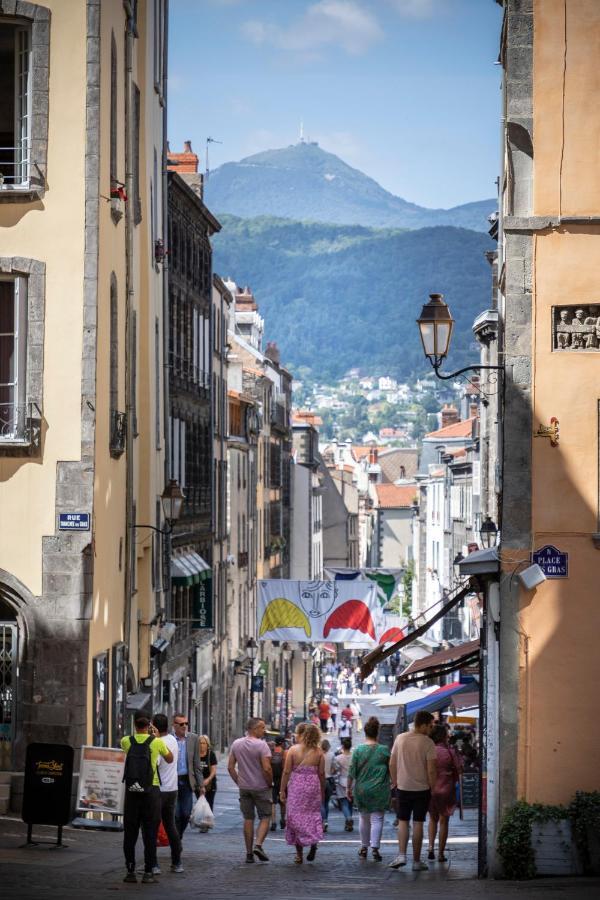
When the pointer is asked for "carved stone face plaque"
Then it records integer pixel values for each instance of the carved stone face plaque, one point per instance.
(576, 327)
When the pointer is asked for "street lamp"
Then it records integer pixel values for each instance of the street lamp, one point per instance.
(251, 651)
(172, 503)
(287, 653)
(305, 653)
(488, 532)
(435, 327)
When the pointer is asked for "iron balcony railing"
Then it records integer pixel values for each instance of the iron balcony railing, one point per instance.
(14, 166)
(118, 433)
(20, 424)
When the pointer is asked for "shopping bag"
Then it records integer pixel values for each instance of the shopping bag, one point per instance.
(202, 815)
(161, 838)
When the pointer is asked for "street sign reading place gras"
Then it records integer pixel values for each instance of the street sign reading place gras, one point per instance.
(551, 561)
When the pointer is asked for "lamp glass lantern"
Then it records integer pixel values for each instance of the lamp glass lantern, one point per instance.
(172, 500)
(305, 654)
(488, 532)
(251, 649)
(286, 652)
(435, 327)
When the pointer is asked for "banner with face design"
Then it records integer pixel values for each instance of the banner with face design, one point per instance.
(318, 611)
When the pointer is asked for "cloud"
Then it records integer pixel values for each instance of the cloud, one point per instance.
(341, 23)
(414, 9)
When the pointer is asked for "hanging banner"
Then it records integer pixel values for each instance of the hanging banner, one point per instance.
(387, 581)
(319, 611)
(101, 787)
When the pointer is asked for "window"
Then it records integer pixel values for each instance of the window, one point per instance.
(15, 117)
(137, 203)
(100, 722)
(13, 350)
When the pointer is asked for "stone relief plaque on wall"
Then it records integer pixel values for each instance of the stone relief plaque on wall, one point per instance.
(576, 327)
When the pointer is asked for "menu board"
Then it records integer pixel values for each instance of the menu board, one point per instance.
(101, 787)
(470, 789)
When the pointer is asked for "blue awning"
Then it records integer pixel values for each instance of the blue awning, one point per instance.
(438, 700)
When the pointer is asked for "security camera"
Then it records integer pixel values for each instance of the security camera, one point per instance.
(531, 577)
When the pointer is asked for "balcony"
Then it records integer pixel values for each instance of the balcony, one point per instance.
(20, 425)
(118, 433)
(279, 417)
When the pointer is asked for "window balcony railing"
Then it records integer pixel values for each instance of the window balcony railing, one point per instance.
(14, 167)
(20, 424)
(118, 433)
(279, 417)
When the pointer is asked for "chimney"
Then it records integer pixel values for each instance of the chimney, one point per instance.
(184, 163)
(272, 352)
(449, 415)
(373, 454)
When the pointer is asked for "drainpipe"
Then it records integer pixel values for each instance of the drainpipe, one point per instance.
(130, 560)
(166, 319)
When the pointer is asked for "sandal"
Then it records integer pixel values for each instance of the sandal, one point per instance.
(431, 855)
(442, 858)
(298, 859)
(363, 852)
(376, 854)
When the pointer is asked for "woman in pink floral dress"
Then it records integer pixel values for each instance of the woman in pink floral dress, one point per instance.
(443, 796)
(303, 789)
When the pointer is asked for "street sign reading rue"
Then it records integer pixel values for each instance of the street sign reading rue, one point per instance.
(74, 521)
(552, 562)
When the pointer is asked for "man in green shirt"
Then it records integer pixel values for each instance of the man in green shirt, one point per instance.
(142, 794)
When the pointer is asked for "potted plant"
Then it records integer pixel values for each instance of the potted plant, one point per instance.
(537, 839)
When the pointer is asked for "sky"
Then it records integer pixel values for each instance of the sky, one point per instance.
(407, 91)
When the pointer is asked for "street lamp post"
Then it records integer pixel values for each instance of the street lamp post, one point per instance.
(435, 327)
(251, 650)
(287, 653)
(488, 532)
(305, 655)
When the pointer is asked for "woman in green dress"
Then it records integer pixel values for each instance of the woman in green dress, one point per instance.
(369, 786)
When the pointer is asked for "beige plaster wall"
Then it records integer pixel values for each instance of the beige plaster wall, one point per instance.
(51, 230)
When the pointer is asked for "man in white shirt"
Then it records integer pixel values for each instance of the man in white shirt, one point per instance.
(168, 792)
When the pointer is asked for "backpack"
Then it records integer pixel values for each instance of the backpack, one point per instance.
(277, 766)
(139, 774)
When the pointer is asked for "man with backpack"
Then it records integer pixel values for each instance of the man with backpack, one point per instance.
(142, 794)
(277, 763)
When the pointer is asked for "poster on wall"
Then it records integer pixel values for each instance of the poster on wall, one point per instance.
(101, 786)
(319, 611)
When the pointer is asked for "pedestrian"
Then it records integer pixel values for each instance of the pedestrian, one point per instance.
(278, 754)
(369, 788)
(208, 767)
(345, 729)
(356, 719)
(413, 771)
(189, 772)
(303, 789)
(329, 781)
(142, 795)
(335, 705)
(249, 765)
(324, 713)
(443, 794)
(348, 715)
(167, 773)
(342, 766)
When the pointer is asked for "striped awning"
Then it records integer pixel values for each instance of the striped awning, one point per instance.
(188, 569)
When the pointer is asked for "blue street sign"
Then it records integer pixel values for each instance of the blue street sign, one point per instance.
(552, 562)
(74, 521)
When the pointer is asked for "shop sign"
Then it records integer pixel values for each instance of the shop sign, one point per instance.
(47, 784)
(73, 521)
(101, 786)
(202, 604)
(552, 562)
(258, 684)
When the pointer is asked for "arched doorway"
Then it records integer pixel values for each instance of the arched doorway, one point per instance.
(8, 683)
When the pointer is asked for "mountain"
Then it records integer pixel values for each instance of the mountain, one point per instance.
(304, 182)
(335, 297)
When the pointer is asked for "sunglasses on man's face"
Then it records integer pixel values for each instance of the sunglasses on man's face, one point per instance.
(181, 724)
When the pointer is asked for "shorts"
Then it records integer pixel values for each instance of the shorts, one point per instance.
(259, 801)
(415, 803)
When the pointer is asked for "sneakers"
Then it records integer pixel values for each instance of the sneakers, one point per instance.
(273, 826)
(419, 866)
(177, 867)
(155, 870)
(130, 878)
(249, 857)
(325, 826)
(260, 854)
(148, 878)
(399, 861)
